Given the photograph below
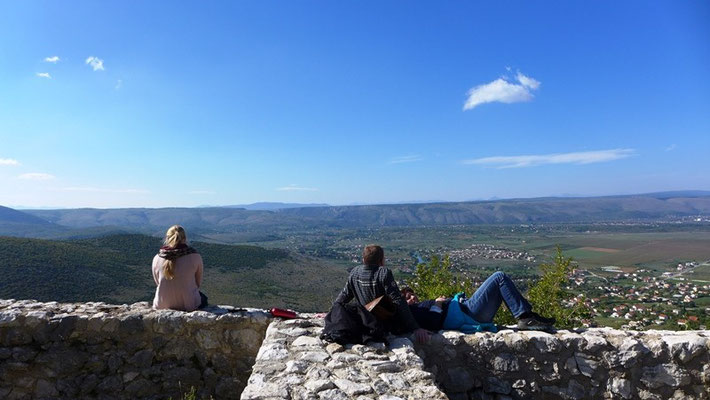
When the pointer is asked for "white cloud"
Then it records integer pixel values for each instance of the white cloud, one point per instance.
(96, 63)
(295, 188)
(36, 176)
(201, 192)
(8, 161)
(502, 90)
(102, 190)
(119, 84)
(584, 157)
(527, 81)
(671, 147)
(53, 59)
(44, 75)
(405, 159)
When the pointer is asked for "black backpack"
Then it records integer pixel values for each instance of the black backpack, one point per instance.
(352, 323)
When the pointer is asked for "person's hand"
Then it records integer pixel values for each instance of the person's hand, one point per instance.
(441, 299)
(422, 335)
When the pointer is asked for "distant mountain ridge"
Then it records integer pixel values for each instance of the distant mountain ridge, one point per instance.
(653, 206)
(271, 206)
(11, 216)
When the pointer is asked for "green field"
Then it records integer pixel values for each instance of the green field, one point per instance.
(700, 274)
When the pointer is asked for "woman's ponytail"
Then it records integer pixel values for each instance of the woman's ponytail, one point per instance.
(173, 237)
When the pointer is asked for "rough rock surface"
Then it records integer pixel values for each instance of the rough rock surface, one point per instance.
(294, 363)
(599, 363)
(96, 350)
(587, 364)
(100, 351)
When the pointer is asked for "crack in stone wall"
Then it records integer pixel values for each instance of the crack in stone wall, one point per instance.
(95, 350)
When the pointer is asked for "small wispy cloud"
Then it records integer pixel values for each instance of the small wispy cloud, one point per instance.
(36, 176)
(583, 157)
(44, 75)
(53, 59)
(671, 147)
(295, 188)
(119, 84)
(102, 190)
(405, 159)
(200, 192)
(9, 161)
(503, 90)
(96, 63)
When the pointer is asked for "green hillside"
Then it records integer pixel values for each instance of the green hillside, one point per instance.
(18, 223)
(117, 269)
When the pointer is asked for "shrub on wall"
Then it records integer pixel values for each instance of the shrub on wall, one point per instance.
(435, 278)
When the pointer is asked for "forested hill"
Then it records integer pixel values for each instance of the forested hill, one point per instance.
(539, 210)
(117, 269)
(13, 222)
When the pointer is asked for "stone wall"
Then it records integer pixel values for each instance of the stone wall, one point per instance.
(589, 364)
(95, 350)
(295, 364)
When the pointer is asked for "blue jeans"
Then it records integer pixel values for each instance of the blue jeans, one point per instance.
(496, 289)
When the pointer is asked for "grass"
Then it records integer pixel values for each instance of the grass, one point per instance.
(190, 395)
(611, 322)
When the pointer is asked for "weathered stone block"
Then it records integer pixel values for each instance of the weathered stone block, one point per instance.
(664, 374)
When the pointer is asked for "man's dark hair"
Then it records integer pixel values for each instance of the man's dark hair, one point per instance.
(406, 289)
(373, 255)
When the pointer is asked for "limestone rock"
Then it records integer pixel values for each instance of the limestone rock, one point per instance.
(586, 366)
(319, 385)
(306, 341)
(620, 387)
(334, 348)
(505, 362)
(664, 374)
(685, 347)
(352, 388)
(545, 342)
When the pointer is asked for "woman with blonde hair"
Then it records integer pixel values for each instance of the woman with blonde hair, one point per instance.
(177, 270)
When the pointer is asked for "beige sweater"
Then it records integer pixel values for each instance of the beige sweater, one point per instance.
(181, 292)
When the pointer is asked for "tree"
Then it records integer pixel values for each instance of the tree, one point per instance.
(435, 278)
(550, 298)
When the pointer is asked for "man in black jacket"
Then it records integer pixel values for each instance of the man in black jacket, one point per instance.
(372, 280)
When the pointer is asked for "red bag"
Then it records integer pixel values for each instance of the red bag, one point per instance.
(280, 312)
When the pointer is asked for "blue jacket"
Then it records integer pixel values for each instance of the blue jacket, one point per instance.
(458, 320)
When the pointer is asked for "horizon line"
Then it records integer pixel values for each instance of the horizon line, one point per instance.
(698, 192)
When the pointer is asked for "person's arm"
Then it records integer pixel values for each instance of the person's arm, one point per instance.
(154, 269)
(392, 290)
(198, 273)
(346, 294)
(438, 305)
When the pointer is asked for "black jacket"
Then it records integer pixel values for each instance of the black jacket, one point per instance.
(427, 319)
(352, 323)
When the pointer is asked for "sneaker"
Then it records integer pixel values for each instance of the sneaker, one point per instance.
(536, 322)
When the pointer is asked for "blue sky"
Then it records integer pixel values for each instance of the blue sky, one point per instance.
(154, 104)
